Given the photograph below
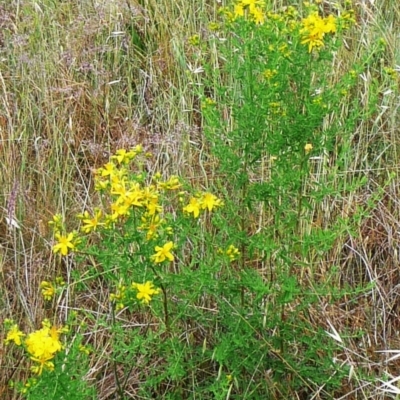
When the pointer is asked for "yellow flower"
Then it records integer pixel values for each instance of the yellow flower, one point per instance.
(330, 24)
(313, 41)
(157, 176)
(56, 222)
(252, 3)
(60, 281)
(48, 290)
(238, 10)
(254, 11)
(64, 244)
(213, 26)
(209, 201)
(119, 210)
(91, 223)
(119, 297)
(232, 252)
(171, 184)
(43, 364)
(151, 225)
(14, 335)
(163, 253)
(42, 345)
(347, 18)
(258, 15)
(133, 197)
(153, 207)
(137, 149)
(208, 102)
(84, 349)
(194, 40)
(193, 207)
(108, 169)
(101, 184)
(314, 29)
(308, 147)
(145, 291)
(123, 157)
(269, 73)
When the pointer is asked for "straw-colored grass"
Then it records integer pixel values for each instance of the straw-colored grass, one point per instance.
(80, 79)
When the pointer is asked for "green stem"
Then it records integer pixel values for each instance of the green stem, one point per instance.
(165, 300)
(114, 363)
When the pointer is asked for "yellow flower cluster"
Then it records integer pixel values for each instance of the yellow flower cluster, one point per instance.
(252, 8)
(119, 297)
(127, 196)
(49, 289)
(14, 335)
(232, 252)
(127, 193)
(31, 382)
(144, 293)
(205, 201)
(66, 242)
(314, 29)
(194, 40)
(308, 147)
(41, 345)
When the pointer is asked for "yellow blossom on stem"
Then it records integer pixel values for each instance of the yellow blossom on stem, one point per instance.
(153, 207)
(42, 345)
(151, 224)
(209, 201)
(315, 28)
(119, 297)
(308, 147)
(14, 335)
(48, 290)
(193, 207)
(60, 281)
(109, 169)
(56, 222)
(171, 184)
(101, 184)
(65, 244)
(133, 197)
(258, 15)
(232, 252)
(253, 9)
(163, 253)
(84, 349)
(124, 157)
(42, 364)
(119, 210)
(194, 40)
(91, 223)
(145, 291)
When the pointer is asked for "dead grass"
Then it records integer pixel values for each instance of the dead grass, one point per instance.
(82, 78)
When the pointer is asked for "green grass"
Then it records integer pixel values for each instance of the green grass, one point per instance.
(80, 79)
